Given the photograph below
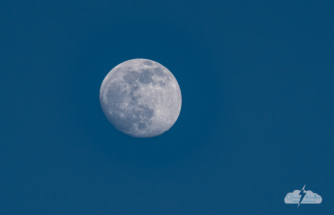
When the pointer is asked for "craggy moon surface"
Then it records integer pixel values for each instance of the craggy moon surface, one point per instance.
(141, 98)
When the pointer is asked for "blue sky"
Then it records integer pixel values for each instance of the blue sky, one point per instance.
(257, 107)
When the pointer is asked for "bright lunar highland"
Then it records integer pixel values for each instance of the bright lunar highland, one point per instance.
(141, 98)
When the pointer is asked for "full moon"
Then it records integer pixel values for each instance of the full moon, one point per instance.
(141, 98)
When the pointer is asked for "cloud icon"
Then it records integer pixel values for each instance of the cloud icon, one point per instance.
(309, 198)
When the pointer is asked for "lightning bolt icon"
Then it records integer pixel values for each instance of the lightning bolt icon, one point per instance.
(302, 193)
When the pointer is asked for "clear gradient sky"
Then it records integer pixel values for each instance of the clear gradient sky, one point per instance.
(256, 121)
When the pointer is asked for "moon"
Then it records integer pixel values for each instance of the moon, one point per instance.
(141, 98)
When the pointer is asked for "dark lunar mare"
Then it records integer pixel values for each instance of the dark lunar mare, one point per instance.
(146, 76)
